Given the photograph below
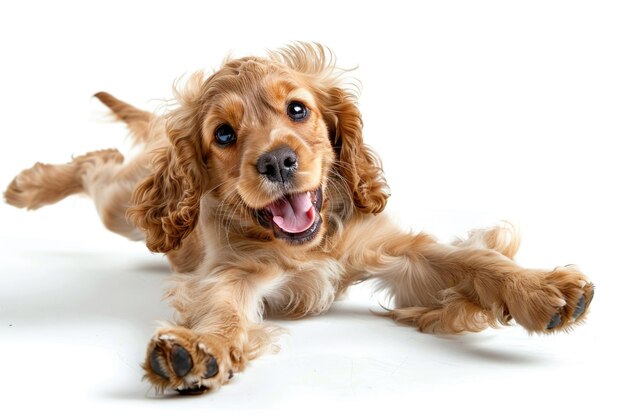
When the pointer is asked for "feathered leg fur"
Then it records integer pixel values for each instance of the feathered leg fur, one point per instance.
(466, 286)
(102, 175)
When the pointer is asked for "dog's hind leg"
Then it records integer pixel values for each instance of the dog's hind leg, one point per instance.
(102, 175)
(99, 174)
(44, 184)
(503, 238)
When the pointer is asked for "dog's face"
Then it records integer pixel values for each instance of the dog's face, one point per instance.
(272, 147)
(268, 150)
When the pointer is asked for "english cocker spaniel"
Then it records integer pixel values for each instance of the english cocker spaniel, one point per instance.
(261, 192)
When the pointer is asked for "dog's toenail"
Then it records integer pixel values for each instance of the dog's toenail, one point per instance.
(580, 307)
(192, 391)
(556, 320)
(181, 361)
(230, 374)
(155, 364)
(211, 368)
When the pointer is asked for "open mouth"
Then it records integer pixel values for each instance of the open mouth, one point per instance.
(294, 217)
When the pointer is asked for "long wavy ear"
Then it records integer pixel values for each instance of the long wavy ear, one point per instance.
(167, 203)
(358, 165)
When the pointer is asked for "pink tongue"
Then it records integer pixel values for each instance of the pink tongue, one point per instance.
(294, 213)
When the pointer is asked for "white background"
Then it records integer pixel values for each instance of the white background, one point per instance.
(481, 111)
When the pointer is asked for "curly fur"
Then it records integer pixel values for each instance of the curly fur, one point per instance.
(202, 204)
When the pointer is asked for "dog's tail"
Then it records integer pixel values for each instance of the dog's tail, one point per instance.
(137, 120)
(94, 173)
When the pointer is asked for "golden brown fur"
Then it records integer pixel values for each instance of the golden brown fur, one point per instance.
(199, 202)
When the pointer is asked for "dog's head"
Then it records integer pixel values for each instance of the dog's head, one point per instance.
(275, 146)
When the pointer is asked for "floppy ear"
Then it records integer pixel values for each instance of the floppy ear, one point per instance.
(359, 165)
(166, 204)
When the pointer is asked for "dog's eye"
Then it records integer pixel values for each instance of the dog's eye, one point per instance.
(297, 111)
(225, 135)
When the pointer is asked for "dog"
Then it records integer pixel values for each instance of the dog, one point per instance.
(259, 189)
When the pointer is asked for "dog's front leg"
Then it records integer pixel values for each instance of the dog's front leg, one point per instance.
(218, 329)
(468, 285)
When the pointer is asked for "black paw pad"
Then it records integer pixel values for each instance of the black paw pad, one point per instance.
(155, 364)
(580, 307)
(181, 361)
(556, 320)
(211, 368)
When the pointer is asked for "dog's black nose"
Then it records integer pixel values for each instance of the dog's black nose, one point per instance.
(278, 165)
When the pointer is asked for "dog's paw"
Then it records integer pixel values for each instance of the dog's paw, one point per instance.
(191, 363)
(554, 303)
(577, 292)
